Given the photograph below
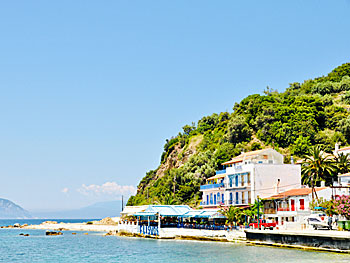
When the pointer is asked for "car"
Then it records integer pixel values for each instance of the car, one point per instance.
(318, 221)
(264, 224)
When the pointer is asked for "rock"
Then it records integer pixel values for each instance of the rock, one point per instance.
(16, 225)
(106, 221)
(26, 235)
(25, 225)
(110, 233)
(74, 233)
(49, 222)
(53, 233)
(86, 233)
(21, 234)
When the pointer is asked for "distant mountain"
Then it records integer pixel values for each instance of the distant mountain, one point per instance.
(10, 210)
(97, 210)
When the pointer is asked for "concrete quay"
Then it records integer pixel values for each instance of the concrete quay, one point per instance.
(335, 241)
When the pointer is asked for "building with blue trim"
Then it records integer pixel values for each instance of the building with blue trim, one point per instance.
(258, 173)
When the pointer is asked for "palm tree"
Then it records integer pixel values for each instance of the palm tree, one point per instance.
(233, 215)
(317, 167)
(342, 162)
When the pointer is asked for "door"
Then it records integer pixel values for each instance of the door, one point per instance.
(292, 203)
(301, 204)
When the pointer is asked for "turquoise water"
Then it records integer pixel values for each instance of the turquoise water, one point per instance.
(6, 222)
(98, 248)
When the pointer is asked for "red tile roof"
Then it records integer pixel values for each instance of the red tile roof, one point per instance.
(296, 192)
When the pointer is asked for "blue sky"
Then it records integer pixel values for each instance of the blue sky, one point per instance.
(90, 90)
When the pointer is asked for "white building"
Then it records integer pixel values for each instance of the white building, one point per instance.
(293, 205)
(258, 173)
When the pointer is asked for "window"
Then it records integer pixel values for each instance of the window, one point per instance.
(207, 199)
(231, 198)
(230, 181)
(236, 197)
(218, 197)
(214, 199)
(236, 180)
(270, 161)
(211, 199)
(301, 201)
(222, 198)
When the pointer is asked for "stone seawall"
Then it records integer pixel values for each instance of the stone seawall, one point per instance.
(325, 239)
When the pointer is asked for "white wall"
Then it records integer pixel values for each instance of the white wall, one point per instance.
(266, 176)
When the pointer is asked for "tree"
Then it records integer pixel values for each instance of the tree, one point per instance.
(238, 130)
(317, 167)
(233, 215)
(342, 162)
(328, 205)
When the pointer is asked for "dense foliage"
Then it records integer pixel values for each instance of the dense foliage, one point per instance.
(311, 113)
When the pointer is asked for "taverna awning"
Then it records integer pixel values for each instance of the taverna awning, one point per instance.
(164, 210)
(204, 214)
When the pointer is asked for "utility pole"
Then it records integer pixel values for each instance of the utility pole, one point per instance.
(122, 202)
(258, 213)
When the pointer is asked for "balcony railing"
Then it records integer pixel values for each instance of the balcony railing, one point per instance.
(283, 209)
(211, 186)
(207, 204)
(269, 211)
(221, 171)
(227, 185)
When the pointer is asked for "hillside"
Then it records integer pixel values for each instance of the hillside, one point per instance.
(10, 210)
(313, 112)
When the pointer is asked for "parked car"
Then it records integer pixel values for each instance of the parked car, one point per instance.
(319, 221)
(264, 224)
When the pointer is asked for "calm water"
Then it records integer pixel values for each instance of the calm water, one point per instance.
(97, 248)
(6, 222)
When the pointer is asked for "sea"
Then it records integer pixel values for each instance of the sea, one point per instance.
(95, 247)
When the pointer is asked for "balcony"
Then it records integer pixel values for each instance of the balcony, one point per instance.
(211, 186)
(283, 209)
(203, 203)
(221, 171)
(269, 211)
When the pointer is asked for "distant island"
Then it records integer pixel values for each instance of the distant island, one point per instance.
(10, 210)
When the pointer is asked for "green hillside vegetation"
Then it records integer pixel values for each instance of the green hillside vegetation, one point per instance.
(315, 112)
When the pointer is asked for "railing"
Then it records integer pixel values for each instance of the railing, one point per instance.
(198, 226)
(283, 209)
(221, 171)
(227, 185)
(269, 211)
(206, 203)
(211, 186)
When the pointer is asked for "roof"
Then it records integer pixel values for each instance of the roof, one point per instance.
(218, 176)
(165, 210)
(344, 175)
(204, 214)
(296, 192)
(344, 149)
(133, 209)
(242, 156)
